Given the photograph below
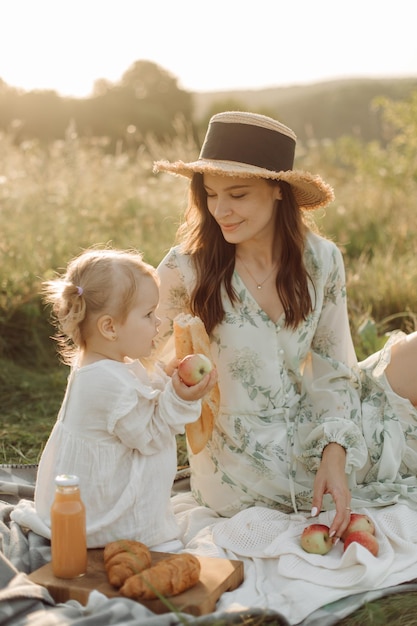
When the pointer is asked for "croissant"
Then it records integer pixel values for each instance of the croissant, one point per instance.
(168, 577)
(190, 337)
(123, 558)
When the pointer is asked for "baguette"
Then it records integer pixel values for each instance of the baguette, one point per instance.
(190, 337)
(168, 577)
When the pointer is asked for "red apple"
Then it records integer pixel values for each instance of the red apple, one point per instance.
(366, 539)
(193, 367)
(359, 521)
(315, 539)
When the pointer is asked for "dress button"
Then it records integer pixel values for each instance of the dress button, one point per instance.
(281, 351)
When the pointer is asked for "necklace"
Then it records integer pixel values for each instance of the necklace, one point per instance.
(259, 285)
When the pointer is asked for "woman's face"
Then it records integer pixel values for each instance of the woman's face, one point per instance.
(244, 208)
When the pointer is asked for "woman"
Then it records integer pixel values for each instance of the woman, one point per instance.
(301, 425)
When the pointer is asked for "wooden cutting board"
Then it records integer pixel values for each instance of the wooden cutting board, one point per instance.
(217, 576)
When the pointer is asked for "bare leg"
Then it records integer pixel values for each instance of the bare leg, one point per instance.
(402, 371)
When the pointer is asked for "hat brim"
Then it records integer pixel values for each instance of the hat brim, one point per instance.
(310, 192)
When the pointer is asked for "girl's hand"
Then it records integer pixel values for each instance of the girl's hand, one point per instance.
(196, 392)
(331, 478)
(171, 366)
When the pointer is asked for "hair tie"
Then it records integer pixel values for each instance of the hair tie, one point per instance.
(80, 290)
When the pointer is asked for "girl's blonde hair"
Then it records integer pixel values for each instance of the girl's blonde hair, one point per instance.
(95, 282)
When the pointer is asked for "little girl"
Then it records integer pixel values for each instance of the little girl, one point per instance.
(116, 427)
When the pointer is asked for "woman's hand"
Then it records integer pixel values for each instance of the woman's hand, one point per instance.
(196, 392)
(331, 478)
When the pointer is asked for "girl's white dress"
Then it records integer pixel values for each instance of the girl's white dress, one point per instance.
(116, 431)
(285, 394)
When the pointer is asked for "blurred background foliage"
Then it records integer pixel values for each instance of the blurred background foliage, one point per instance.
(77, 173)
(147, 99)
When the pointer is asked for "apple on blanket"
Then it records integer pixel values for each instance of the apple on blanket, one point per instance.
(316, 539)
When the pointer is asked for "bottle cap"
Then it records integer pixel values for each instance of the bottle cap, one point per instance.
(67, 480)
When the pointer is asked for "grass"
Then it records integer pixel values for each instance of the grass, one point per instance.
(30, 400)
(398, 609)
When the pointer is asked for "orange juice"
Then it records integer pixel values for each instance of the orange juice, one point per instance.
(68, 529)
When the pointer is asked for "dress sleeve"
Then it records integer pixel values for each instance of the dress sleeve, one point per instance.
(173, 299)
(126, 401)
(330, 399)
(155, 419)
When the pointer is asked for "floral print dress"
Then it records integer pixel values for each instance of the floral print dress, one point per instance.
(286, 394)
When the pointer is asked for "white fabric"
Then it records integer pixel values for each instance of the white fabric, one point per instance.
(116, 431)
(280, 575)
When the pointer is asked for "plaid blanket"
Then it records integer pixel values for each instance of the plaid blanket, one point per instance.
(23, 551)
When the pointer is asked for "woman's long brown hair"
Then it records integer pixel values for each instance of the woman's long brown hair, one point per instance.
(214, 258)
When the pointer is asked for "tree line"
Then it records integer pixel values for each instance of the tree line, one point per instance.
(147, 101)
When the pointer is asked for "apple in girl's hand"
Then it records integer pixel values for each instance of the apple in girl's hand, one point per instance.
(193, 367)
(366, 539)
(315, 539)
(359, 521)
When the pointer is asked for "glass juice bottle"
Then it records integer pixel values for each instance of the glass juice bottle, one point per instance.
(68, 529)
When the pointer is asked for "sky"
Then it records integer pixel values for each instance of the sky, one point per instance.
(207, 45)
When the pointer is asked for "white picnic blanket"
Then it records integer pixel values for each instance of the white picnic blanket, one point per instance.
(279, 575)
